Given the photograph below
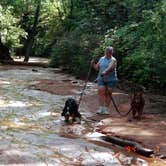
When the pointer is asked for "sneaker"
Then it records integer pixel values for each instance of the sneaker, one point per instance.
(106, 111)
(100, 110)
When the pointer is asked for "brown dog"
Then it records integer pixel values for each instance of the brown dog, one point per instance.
(137, 105)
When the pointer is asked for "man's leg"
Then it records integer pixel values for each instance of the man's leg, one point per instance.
(108, 96)
(101, 98)
(107, 100)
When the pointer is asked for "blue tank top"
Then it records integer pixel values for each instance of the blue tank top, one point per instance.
(103, 65)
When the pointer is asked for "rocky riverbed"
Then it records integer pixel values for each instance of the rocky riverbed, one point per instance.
(32, 132)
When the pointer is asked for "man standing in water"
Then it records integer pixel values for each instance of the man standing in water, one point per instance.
(107, 79)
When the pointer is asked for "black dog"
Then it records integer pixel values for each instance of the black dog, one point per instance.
(71, 110)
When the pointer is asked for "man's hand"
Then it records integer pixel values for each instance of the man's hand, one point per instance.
(110, 68)
(94, 65)
(92, 62)
(103, 73)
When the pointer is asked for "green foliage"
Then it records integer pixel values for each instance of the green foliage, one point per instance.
(83, 26)
(74, 31)
(11, 32)
(135, 28)
(49, 28)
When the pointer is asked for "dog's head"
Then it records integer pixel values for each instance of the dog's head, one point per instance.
(71, 106)
(137, 99)
(71, 103)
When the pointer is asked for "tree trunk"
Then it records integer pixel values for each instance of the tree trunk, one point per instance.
(71, 8)
(4, 53)
(32, 34)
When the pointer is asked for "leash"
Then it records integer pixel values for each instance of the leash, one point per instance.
(116, 108)
(85, 85)
(115, 105)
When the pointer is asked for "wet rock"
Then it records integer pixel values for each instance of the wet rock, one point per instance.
(34, 70)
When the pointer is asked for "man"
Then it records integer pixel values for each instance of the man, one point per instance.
(107, 79)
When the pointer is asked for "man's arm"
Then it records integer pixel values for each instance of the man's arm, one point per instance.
(111, 67)
(95, 65)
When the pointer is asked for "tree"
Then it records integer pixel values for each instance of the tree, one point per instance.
(33, 32)
(4, 52)
(10, 33)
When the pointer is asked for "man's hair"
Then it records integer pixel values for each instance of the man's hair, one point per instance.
(109, 49)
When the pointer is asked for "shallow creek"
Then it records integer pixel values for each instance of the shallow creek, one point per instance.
(33, 133)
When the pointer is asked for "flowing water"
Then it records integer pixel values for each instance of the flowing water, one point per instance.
(33, 133)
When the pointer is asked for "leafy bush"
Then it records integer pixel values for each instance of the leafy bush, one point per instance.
(74, 52)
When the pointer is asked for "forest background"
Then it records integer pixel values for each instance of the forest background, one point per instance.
(72, 32)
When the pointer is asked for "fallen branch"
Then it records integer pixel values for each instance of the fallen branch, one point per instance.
(128, 143)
